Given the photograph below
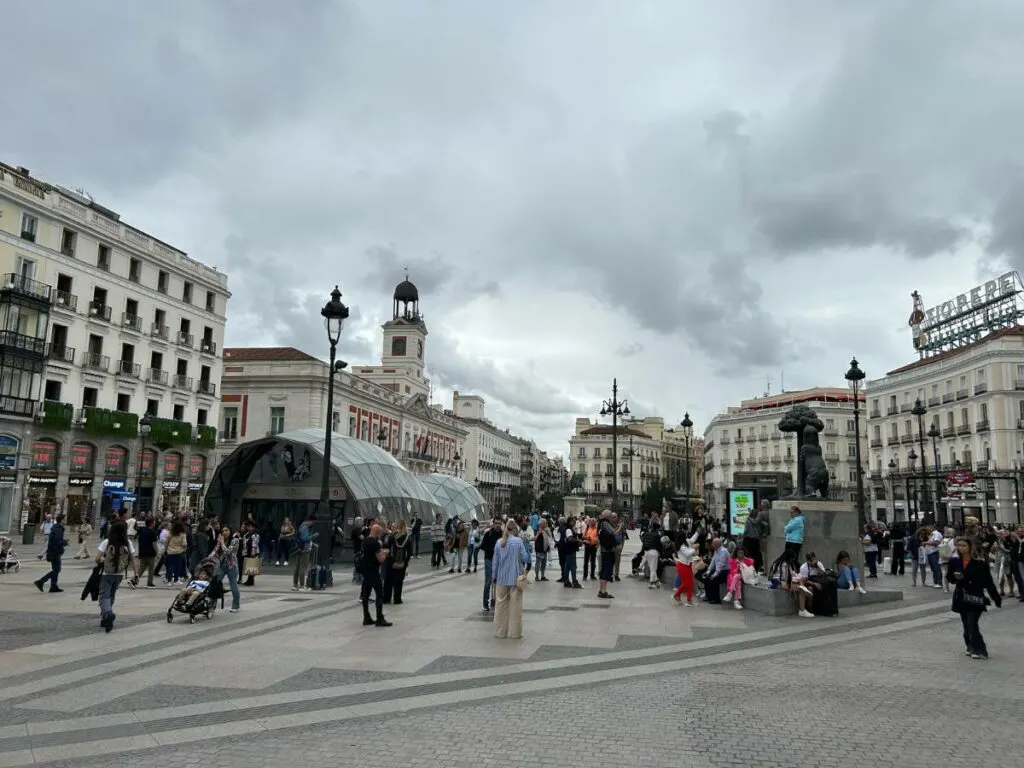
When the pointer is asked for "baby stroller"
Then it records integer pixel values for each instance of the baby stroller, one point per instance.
(8, 557)
(200, 596)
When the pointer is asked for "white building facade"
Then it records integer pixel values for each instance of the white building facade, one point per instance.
(974, 399)
(493, 456)
(746, 439)
(102, 324)
(597, 471)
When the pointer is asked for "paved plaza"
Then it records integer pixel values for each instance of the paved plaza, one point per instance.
(295, 678)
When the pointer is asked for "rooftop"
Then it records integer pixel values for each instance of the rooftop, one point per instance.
(605, 429)
(268, 355)
(1017, 331)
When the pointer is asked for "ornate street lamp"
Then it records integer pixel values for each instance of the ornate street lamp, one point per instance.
(892, 487)
(145, 425)
(687, 426)
(855, 376)
(615, 408)
(934, 434)
(912, 460)
(334, 314)
(919, 410)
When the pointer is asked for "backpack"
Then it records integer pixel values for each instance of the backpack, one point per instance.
(398, 557)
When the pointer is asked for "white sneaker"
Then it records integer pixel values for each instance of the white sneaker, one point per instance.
(862, 590)
(806, 615)
(278, 563)
(850, 588)
(738, 605)
(936, 586)
(295, 589)
(286, 563)
(727, 598)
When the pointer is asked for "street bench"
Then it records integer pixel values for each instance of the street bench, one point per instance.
(778, 602)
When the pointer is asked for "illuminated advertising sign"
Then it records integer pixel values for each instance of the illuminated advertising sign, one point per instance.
(741, 504)
(966, 318)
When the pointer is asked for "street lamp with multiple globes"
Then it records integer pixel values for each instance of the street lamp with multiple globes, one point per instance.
(912, 461)
(687, 425)
(145, 425)
(892, 487)
(934, 434)
(334, 314)
(919, 411)
(855, 376)
(615, 408)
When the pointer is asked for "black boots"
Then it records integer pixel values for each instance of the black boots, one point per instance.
(368, 620)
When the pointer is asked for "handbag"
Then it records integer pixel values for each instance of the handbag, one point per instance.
(251, 566)
(965, 600)
(698, 566)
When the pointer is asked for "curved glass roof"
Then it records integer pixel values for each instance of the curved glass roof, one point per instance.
(374, 479)
(459, 498)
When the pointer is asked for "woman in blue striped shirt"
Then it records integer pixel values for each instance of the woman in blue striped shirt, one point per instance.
(509, 567)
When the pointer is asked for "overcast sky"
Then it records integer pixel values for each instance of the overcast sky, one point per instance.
(693, 197)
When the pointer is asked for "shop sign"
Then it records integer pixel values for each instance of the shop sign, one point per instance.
(8, 452)
(195, 487)
(8, 476)
(42, 480)
(83, 457)
(172, 465)
(79, 482)
(44, 455)
(171, 485)
(115, 461)
(147, 464)
(112, 485)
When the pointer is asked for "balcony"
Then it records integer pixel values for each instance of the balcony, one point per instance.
(904, 439)
(25, 289)
(726, 440)
(62, 354)
(980, 389)
(948, 397)
(17, 406)
(981, 426)
(158, 331)
(94, 361)
(131, 322)
(1018, 384)
(209, 347)
(776, 435)
(934, 401)
(207, 388)
(65, 300)
(961, 394)
(128, 368)
(876, 442)
(892, 440)
(763, 436)
(876, 474)
(892, 410)
(776, 459)
(185, 339)
(157, 376)
(99, 311)
(181, 381)
(14, 343)
(833, 457)
(726, 462)
(949, 432)
(875, 414)
(984, 466)
(963, 429)
(906, 408)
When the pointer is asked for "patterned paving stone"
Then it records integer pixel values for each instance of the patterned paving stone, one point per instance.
(23, 629)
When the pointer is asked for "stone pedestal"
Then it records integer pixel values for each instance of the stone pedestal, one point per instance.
(829, 527)
(575, 506)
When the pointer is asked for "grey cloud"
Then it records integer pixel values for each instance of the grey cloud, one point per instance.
(630, 350)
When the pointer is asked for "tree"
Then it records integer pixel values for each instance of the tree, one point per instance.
(522, 501)
(551, 503)
(654, 495)
(795, 420)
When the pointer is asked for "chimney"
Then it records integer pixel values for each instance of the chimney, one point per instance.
(23, 170)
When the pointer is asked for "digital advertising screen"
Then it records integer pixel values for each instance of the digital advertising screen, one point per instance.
(740, 505)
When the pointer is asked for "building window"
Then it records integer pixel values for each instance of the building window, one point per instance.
(52, 390)
(162, 280)
(29, 227)
(124, 402)
(68, 240)
(135, 270)
(201, 416)
(231, 423)
(152, 407)
(211, 301)
(851, 450)
(186, 292)
(90, 396)
(398, 346)
(276, 420)
(179, 413)
(103, 257)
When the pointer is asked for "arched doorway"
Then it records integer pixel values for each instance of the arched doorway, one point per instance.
(115, 478)
(196, 481)
(42, 479)
(81, 481)
(170, 489)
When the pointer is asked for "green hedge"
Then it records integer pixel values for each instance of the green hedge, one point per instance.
(58, 416)
(162, 432)
(101, 422)
(207, 437)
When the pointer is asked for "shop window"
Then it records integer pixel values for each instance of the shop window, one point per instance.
(196, 467)
(45, 454)
(172, 464)
(147, 463)
(115, 461)
(83, 459)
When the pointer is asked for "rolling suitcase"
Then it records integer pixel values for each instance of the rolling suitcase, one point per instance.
(826, 599)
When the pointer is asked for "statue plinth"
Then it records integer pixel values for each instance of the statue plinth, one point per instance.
(829, 527)
(575, 506)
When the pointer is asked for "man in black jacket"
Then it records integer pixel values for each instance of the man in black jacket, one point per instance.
(54, 552)
(373, 555)
(487, 545)
(147, 538)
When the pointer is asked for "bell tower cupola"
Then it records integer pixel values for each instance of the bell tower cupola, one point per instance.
(405, 338)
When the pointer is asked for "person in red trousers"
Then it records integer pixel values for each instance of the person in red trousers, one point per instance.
(684, 567)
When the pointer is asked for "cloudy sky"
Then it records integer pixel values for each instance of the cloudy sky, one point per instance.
(693, 197)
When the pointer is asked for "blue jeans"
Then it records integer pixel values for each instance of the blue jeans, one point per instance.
(848, 576)
(53, 575)
(872, 558)
(488, 576)
(108, 589)
(236, 596)
(175, 567)
(933, 563)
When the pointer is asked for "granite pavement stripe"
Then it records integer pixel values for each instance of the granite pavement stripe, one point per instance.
(367, 709)
(400, 690)
(71, 674)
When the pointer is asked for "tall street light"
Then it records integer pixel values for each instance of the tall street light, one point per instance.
(334, 314)
(687, 425)
(855, 376)
(912, 458)
(145, 425)
(615, 408)
(934, 434)
(631, 454)
(919, 410)
(892, 487)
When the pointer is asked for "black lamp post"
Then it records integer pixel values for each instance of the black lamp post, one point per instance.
(334, 314)
(631, 454)
(892, 487)
(687, 425)
(145, 425)
(934, 434)
(912, 458)
(855, 376)
(919, 410)
(615, 408)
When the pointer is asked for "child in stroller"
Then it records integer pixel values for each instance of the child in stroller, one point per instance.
(201, 594)
(8, 557)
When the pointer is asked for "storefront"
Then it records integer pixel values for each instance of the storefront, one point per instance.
(196, 476)
(8, 480)
(145, 488)
(115, 478)
(42, 480)
(81, 481)
(170, 489)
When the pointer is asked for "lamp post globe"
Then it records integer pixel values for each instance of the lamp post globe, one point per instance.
(855, 376)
